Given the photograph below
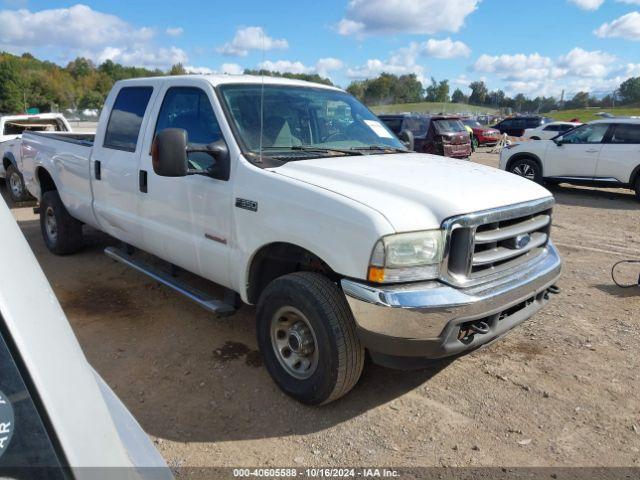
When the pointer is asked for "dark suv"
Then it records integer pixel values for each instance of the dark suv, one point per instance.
(438, 135)
(515, 126)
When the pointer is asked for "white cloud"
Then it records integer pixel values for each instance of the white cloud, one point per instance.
(579, 62)
(446, 48)
(326, 65)
(174, 31)
(627, 26)
(143, 56)
(366, 17)
(515, 67)
(76, 27)
(588, 4)
(251, 38)
(228, 68)
(285, 66)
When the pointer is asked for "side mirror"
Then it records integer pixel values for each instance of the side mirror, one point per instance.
(558, 140)
(220, 152)
(169, 153)
(406, 137)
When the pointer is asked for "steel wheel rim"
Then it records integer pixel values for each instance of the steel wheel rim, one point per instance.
(524, 170)
(294, 342)
(51, 225)
(15, 184)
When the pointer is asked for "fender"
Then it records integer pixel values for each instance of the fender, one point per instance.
(530, 156)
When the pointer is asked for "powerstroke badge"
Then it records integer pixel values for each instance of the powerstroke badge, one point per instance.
(6, 423)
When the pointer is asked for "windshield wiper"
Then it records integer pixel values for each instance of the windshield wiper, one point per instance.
(382, 148)
(310, 148)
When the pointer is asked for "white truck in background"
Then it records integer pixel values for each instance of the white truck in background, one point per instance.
(11, 129)
(295, 197)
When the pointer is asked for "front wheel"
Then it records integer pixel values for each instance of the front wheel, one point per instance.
(15, 184)
(526, 168)
(307, 336)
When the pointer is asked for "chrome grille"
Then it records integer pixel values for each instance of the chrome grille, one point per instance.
(483, 245)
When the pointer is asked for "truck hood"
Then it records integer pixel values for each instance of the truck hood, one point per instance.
(415, 191)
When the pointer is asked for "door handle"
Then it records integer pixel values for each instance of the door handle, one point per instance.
(142, 181)
(97, 169)
(596, 150)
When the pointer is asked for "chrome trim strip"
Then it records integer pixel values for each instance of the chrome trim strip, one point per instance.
(500, 254)
(490, 236)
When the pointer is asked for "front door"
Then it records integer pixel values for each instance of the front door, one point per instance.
(577, 153)
(187, 220)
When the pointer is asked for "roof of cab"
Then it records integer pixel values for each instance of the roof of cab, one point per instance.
(634, 120)
(227, 79)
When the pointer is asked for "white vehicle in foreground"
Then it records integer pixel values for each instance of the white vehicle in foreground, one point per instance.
(11, 129)
(58, 418)
(295, 197)
(547, 131)
(604, 153)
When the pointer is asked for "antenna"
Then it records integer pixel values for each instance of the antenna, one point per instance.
(262, 96)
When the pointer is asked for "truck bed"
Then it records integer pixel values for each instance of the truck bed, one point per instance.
(84, 139)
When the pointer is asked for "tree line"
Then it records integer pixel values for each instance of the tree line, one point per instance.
(26, 82)
(393, 89)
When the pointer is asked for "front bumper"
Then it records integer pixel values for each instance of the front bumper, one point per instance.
(425, 319)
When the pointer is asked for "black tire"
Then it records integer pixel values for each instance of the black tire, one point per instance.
(637, 187)
(535, 138)
(61, 232)
(340, 355)
(526, 168)
(15, 185)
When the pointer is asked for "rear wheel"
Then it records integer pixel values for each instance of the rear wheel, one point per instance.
(61, 232)
(526, 168)
(15, 185)
(307, 336)
(637, 187)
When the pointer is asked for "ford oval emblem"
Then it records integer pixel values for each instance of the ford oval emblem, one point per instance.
(522, 241)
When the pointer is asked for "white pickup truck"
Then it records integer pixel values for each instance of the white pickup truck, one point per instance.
(11, 129)
(295, 197)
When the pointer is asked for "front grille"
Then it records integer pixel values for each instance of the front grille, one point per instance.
(486, 244)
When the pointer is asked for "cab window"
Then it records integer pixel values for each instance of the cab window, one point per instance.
(126, 118)
(189, 108)
(593, 133)
(626, 133)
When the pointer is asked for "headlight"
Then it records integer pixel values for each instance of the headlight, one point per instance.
(406, 257)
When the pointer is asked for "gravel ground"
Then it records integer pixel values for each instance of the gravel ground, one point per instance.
(560, 390)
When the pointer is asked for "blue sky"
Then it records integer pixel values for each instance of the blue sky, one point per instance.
(534, 47)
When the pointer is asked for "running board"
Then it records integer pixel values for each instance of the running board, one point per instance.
(203, 299)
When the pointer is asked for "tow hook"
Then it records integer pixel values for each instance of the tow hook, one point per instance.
(467, 331)
(553, 290)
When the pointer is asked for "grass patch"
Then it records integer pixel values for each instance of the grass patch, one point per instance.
(433, 108)
(588, 114)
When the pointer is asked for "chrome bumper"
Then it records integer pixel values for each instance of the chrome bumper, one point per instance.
(423, 319)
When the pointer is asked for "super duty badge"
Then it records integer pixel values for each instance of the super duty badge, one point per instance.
(6, 423)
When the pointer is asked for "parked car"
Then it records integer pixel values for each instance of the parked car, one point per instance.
(11, 128)
(314, 211)
(483, 135)
(515, 126)
(438, 135)
(58, 418)
(603, 153)
(547, 131)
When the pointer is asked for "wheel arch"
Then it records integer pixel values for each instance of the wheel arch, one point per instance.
(45, 180)
(8, 159)
(276, 259)
(634, 175)
(527, 156)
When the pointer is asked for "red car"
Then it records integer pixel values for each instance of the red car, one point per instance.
(482, 135)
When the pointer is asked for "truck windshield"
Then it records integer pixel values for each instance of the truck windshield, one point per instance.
(449, 126)
(275, 120)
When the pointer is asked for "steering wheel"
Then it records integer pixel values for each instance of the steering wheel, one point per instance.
(336, 137)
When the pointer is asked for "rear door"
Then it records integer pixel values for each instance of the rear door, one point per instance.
(577, 155)
(114, 162)
(620, 153)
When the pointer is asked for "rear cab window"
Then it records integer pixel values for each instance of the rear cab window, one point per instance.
(126, 117)
(626, 133)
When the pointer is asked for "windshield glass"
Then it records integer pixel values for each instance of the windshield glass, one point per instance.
(472, 123)
(299, 118)
(448, 126)
(417, 125)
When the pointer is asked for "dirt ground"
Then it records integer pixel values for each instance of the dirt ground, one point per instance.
(560, 390)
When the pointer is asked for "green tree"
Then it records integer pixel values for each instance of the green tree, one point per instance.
(177, 69)
(408, 89)
(579, 100)
(80, 67)
(458, 96)
(630, 90)
(91, 100)
(479, 93)
(11, 86)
